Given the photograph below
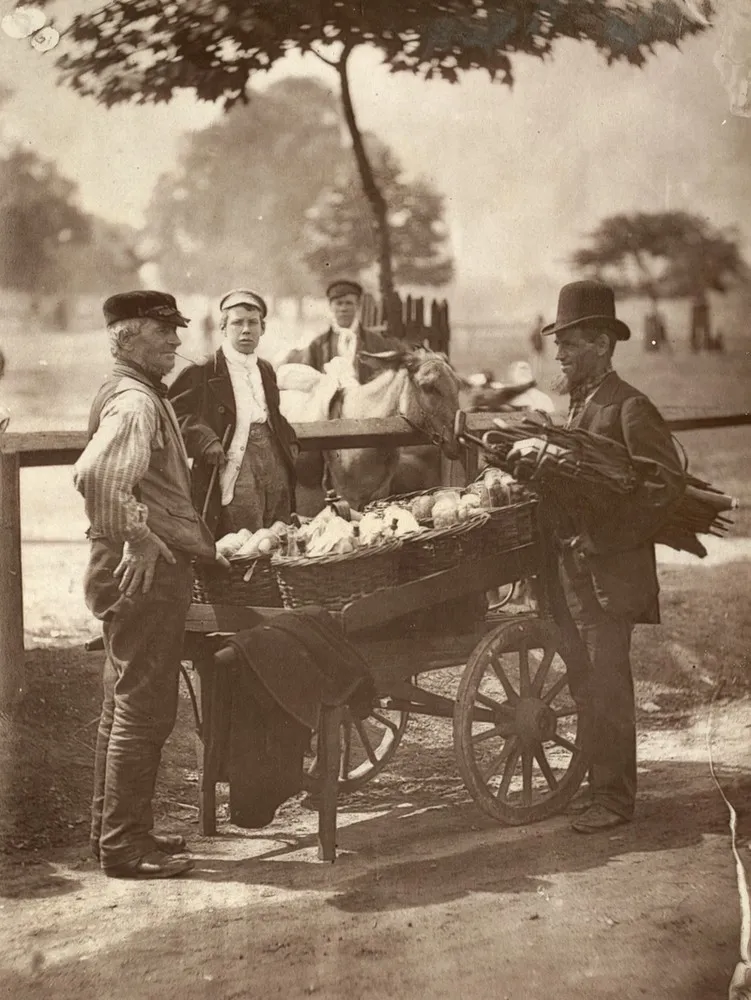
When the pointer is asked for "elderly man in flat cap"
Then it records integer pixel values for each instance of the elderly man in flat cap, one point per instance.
(144, 533)
(228, 410)
(607, 555)
(346, 337)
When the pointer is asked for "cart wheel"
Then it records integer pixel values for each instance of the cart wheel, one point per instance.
(519, 737)
(366, 747)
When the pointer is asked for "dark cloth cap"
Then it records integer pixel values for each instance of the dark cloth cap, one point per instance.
(582, 303)
(243, 297)
(143, 305)
(338, 288)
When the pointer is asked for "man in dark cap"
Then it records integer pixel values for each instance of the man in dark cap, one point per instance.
(607, 556)
(345, 337)
(144, 533)
(229, 415)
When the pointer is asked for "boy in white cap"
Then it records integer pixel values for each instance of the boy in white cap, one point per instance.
(228, 410)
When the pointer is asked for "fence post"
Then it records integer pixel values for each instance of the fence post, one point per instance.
(12, 667)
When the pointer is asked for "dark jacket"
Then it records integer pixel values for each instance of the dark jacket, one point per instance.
(265, 704)
(621, 527)
(205, 406)
(323, 349)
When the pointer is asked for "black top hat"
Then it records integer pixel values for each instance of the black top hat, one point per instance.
(581, 303)
(338, 288)
(244, 297)
(143, 304)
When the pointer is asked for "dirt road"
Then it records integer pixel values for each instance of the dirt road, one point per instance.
(427, 900)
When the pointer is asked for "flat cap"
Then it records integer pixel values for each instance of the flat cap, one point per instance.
(243, 297)
(143, 304)
(338, 288)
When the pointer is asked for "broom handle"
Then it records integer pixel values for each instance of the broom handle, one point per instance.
(214, 476)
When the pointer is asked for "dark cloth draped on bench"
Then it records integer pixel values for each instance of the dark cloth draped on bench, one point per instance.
(264, 706)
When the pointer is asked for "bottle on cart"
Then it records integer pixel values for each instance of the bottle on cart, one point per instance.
(292, 546)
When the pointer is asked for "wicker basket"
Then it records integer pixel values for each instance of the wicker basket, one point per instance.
(509, 527)
(333, 581)
(438, 549)
(213, 585)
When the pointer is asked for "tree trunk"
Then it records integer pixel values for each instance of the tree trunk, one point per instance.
(369, 184)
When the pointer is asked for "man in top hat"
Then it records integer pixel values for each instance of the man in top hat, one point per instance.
(346, 337)
(144, 533)
(229, 415)
(606, 552)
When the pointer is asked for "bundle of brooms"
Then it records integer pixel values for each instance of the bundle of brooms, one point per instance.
(586, 461)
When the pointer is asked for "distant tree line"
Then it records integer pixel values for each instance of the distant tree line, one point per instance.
(666, 255)
(270, 193)
(48, 244)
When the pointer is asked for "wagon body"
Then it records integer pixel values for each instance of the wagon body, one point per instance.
(519, 715)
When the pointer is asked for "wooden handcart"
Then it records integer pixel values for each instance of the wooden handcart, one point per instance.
(520, 721)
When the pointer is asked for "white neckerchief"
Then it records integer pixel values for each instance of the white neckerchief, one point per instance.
(346, 344)
(250, 408)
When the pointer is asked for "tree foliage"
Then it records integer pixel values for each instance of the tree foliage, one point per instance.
(109, 261)
(145, 50)
(39, 220)
(233, 211)
(343, 235)
(662, 254)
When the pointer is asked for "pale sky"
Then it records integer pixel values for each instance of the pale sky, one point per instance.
(525, 173)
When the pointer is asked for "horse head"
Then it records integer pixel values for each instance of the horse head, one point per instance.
(429, 396)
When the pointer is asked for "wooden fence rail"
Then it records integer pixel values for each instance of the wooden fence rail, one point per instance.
(19, 450)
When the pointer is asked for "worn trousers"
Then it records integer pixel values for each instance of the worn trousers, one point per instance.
(143, 637)
(262, 491)
(607, 637)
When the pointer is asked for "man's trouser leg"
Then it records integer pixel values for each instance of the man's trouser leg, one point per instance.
(143, 639)
(612, 774)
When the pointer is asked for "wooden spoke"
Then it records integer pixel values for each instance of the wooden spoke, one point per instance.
(506, 684)
(365, 740)
(556, 689)
(497, 706)
(385, 721)
(365, 748)
(525, 686)
(488, 734)
(546, 769)
(542, 671)
(499, 759)
(566, 713)
(346, 749)
(527, 777)
(508, 772)
(566, 744)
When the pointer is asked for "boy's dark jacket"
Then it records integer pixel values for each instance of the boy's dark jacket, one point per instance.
(205, 406)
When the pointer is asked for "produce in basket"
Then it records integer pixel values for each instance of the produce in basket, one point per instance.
(245, 544)
(422, 507)
(230, 544)
(468, 505)
(336, 538)
(446, 510)
(400, 520)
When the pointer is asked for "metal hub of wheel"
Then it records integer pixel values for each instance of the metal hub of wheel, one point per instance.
(536, 722)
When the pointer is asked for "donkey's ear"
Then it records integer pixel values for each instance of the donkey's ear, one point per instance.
(382, 359)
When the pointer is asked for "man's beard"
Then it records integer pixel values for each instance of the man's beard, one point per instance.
(561, 385)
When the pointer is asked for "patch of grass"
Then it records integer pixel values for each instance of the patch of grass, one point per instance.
(705, 636)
